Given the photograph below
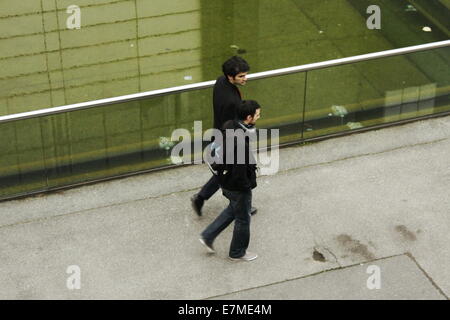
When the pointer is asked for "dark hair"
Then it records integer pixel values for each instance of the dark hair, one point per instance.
(235, 65)
(247, 108)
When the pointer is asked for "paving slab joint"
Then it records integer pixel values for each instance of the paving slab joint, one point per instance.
(311, 275)
(409, 254)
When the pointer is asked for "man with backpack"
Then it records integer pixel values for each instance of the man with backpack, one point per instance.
(237, 178)
(226, 99)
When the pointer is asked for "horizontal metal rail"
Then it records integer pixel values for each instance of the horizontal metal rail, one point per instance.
(208, 84)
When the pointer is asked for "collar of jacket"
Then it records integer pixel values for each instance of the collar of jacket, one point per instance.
(247, 127)
(231, 86)
(228, 82)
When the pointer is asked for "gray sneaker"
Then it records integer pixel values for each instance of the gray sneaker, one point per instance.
(248, 256)
(208, 246)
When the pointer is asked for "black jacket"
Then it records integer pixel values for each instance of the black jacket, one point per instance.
(226, 99)
(238, 177)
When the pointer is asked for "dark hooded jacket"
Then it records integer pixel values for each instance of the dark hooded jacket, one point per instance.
(238, 177)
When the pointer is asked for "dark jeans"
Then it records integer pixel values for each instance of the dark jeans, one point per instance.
(209, 188)
(238, 210)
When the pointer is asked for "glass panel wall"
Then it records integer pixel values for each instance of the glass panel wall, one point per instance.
(281, 99)
(128, 46)
(81, 146)
(85, 145)
(22, 161)
(374, 92)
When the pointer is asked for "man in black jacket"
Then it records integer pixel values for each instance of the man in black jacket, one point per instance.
(237, 182)
(226, 99)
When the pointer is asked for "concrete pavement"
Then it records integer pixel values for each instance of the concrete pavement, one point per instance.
(336, 207)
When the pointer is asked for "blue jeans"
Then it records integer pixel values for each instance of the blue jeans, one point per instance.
(209, 188)
(238, 210)
(212, 185)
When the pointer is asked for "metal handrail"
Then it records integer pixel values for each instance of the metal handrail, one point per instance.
(208, 84)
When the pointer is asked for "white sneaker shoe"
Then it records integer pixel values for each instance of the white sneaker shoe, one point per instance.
(248, 256)
(208, 247)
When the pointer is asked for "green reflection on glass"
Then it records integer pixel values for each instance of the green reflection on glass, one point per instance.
(124, 47)
(101, 142)
(281, 99)
(117, 139)
(22, 164)
(374, 92)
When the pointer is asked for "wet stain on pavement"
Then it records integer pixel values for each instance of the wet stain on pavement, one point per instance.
(317, 256)
(407, 234)
(355, 246)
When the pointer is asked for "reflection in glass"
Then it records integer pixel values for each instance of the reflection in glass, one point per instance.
(374, 92)
(124, 47)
